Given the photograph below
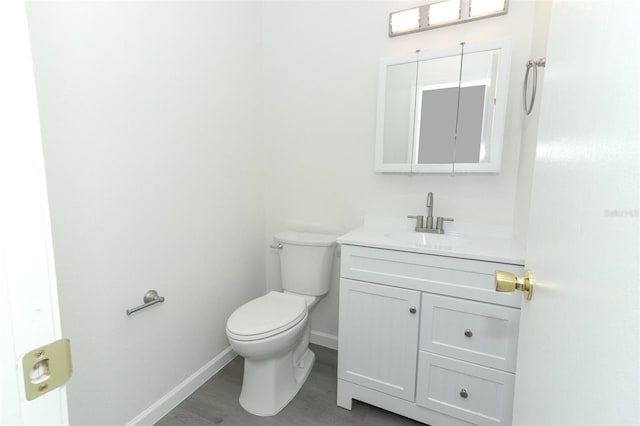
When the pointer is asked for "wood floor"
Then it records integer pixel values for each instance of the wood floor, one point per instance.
(216, 402)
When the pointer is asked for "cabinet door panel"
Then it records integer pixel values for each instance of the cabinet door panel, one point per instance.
(378, 337)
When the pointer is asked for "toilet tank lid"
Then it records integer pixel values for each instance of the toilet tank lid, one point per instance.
(306, 238)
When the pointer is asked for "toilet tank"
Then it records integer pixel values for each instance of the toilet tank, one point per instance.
(306, 261)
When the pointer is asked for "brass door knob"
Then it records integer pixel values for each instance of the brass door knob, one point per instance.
(507, 282)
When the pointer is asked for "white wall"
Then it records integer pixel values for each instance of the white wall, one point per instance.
(177, 144)
(151, 122)
(530, 122)
(320, 83)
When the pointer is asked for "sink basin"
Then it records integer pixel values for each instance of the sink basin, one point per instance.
(435, 241)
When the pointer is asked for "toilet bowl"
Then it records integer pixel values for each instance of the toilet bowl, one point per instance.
(272, 332)
(277, 358)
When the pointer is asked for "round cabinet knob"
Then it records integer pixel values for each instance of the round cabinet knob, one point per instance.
(463, 393)
(413, 310)
(468, 333)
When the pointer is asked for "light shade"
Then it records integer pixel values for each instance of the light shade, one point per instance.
(406, 20)
(485, 7)
(446, 11)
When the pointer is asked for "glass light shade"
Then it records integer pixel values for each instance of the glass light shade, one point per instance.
(406, 20)
(484, 7)
(445, 11)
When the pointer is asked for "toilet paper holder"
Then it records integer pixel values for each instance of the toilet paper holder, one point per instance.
(150, 298)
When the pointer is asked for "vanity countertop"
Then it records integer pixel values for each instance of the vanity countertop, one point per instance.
(466, 241)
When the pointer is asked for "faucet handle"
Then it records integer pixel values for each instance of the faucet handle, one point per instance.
(419, 221)
(440, 223)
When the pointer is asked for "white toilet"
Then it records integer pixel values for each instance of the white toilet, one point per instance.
(272, 331)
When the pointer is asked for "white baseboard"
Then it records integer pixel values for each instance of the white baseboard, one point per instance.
(160, 408)
(324, 339)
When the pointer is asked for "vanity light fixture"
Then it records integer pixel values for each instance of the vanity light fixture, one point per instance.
(440, 13)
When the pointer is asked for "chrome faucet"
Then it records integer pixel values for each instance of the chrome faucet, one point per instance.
(429, 223)
(423, 225)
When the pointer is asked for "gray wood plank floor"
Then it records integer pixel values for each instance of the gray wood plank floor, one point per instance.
(216, 402)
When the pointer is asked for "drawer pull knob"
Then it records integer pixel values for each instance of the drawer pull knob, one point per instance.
(413, 310)
(468, 333)
(463, 393)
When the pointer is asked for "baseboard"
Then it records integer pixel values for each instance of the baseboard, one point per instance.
(324, 339)
(160, 408)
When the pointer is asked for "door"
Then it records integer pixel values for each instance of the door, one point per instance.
(378, 332)
(578, 348)
(29, 316)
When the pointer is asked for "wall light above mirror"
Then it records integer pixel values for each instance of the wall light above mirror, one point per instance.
(440, 13)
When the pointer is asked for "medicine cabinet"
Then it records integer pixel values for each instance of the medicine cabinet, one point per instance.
(443, 111)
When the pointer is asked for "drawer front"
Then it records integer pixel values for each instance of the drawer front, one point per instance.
(471, 331)
(470, 279)
(476, 394)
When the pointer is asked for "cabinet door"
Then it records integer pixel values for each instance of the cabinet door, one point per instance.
(378, 337)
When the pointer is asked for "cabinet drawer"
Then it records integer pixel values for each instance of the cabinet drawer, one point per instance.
(476, 394)
(470, 279)
(472, 331)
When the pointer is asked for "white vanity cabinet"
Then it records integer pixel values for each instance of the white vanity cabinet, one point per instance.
(426, 336)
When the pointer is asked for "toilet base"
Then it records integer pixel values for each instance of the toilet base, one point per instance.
(269, 385)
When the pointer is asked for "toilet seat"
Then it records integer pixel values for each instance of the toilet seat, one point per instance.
(266, 316)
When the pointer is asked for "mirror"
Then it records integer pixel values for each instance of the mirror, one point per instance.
(442, 111)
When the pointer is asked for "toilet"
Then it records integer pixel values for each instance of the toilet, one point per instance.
(271, 332)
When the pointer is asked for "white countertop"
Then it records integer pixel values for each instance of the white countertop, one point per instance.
(463, 240)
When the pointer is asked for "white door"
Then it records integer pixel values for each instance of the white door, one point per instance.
(578, 360)
(29, 316)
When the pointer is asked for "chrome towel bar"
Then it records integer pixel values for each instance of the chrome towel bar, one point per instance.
(150, 298)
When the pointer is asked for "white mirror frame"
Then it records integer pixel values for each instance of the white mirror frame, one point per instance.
(497, 126)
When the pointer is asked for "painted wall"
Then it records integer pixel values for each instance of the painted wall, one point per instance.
(176, 148)
(530, 123)
(320, 88)
(152, 134)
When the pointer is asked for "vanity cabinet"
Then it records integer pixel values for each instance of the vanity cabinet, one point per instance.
(426, 336)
